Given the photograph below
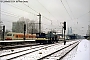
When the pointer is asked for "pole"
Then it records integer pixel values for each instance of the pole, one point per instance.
(3, 33)
(62, 31)
(39, 22)
(51, 25)
(32, 32)
(64, 38)
(24, 30)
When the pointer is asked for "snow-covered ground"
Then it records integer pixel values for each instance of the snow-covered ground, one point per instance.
(70, 55)
(3, 52)
(35, 55)
(81, 52)
(43, 52)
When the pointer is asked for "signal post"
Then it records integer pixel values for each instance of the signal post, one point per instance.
(64, 32)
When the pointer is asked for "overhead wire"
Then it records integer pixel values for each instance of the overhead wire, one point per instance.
(65, 8)
(10, 14)
(6, 19)
(72, 12)
(45, 24)
(47, 10)
(70, 8)
(29, 12)
(19, 9)
(36, 12)
(7, 22)
(30, 8)
(22, 9)
(82, 15)
(44, 7)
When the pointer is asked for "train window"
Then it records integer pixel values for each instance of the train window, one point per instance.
(9, 34)
(26, 36)
(16, 36)
(22, 36)
(29, 36)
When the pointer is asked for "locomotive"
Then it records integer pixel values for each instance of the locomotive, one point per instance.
(46, 38)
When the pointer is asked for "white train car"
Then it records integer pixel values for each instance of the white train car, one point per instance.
(19, 36)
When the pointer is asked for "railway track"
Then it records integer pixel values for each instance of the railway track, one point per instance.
(31, 51)
(16, 46)
(3, 47)
(6, 47)
(59, 54)
(26, 51)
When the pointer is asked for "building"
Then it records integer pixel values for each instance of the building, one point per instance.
(69, 31)
(18, 26)
(88, 31)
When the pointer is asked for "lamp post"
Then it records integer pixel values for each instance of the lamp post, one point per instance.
(39, 23)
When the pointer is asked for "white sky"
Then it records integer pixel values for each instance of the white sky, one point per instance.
(78, 15)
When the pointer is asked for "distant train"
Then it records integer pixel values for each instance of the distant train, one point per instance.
(38, 37)
(74, 36)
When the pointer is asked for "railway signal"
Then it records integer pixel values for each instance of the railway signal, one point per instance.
(64, 32)
(64, 25)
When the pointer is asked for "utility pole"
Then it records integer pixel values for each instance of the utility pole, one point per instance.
(39, 23)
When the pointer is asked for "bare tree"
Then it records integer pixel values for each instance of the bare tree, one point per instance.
(32, 27)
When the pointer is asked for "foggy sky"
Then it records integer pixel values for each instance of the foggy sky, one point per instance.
(76, 16)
